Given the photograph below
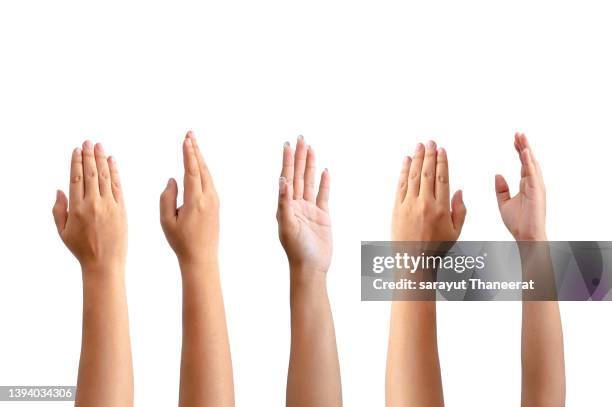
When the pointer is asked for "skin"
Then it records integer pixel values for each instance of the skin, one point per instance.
(92, 223)
(305, 233)
(423, 211)
(543, 366)
(192, 231)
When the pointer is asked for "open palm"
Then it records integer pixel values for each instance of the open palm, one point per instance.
(303, 221)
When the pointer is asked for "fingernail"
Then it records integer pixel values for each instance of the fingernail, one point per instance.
(430, 145)
(286, 144)
(169, 183)
(87, 145)
(419, 148)
(188, 141)
(112, 160)
(57, 195)
(441, 150)
(326, 169)
(77, 150)
(300, 137)
(99, 147)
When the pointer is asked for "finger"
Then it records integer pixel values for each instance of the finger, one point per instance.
(167, 203)
(525, 144)
(309, 175)
(104, 181)
(414, 177)
(77, 187)
(517, 143)
(528, 168)
(402, 185)
(90, 171)
(299, 168)
(458, 210)
(323, 195)
(441, 179)
(502, 191)
(287, 170)
(285, 210)
(60, 211)
(191, 179)
(428, 172)
(205, 176)
(115, 181)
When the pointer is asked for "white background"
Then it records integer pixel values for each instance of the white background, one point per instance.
(363, 81)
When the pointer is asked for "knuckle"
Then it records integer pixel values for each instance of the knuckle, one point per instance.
(443, 179)
(76, 178)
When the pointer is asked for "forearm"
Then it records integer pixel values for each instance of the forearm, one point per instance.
(206, 366)
(314, 371)
(542, 356)
(543, 367)
(413, 367)
(105, 369)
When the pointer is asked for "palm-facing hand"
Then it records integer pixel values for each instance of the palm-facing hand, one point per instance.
(525, 213)
(303, 221)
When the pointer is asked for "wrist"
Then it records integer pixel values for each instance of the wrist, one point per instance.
(201, 265)
(103, 270)
(305, 277)
(532, 237)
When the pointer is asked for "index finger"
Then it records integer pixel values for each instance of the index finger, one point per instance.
(191, 180)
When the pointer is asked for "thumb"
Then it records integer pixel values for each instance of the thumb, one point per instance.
(60, 211)
(167, 203)
(501, 190)
(458, 210)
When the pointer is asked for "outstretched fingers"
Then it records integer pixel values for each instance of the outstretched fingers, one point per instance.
(77, 184)
(502, 191)
(167, 203)
(60, 211)
(323, 195)
(428, 172)
(402, 184)
(104, 179)
(115, 180)
(90, 171)
(309, 175)
(458, 211)
(192, 181)
(414, 174)
(299, 168)
(441, 179)
(205, 177)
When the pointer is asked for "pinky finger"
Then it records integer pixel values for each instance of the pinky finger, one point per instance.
(323, 195)
(115, 181)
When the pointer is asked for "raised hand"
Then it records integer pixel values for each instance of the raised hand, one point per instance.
(304, 225)
(525, 213)
(92, 223)
(193, 233)
(423, 209)
(305, 232)
(193, 229)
